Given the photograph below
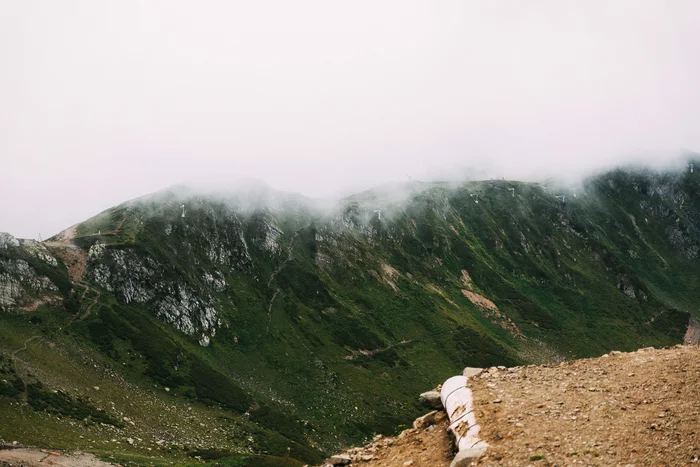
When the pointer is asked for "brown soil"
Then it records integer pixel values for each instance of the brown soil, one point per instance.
(28, 457)
(480, 301)
(73, 257)
(628, 409)
(640, 408)
(67, 235)
(33, 305)
(415, 447)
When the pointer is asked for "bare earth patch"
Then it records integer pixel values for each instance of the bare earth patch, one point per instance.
(29, 457)
(480, 301)
(73, 257)
(430, 447)
(637, 409)
(628, 409)
(492, 312)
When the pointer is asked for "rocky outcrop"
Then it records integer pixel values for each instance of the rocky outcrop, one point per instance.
(431, 400)
(8, 241)
(692, 335)
(20, 284)
(38, 250)
(138, 278)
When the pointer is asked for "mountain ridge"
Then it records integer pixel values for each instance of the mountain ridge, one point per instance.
(307, 329)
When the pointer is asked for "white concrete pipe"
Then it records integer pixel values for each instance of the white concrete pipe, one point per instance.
(457, 399)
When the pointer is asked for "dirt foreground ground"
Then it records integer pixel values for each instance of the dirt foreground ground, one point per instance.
(28, 457)
(623, 409)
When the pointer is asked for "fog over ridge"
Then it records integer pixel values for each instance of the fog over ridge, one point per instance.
(106, 101)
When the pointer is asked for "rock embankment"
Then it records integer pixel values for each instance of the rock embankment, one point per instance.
(426, 444)
(631, 409)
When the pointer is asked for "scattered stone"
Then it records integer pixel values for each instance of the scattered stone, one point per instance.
(340, 459)
(130, 440)
(471, 372)
(431, 400)
(465, 457)
(408, 462)
(425, 421)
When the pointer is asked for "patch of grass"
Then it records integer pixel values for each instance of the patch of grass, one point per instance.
(211, 385)
(59, 403)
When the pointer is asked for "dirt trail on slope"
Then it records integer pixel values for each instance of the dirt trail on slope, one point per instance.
(65, 236)
(628, 409)
(29, 457)
(72, 256)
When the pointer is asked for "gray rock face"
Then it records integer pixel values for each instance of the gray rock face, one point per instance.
(19, 282)
(266, 234)
(38, 250)
(139, 278)
(215, 280)
(8, 241)
(431, 400)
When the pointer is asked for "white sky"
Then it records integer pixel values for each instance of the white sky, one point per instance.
(105, 100)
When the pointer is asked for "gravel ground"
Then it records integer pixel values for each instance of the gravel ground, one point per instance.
(27, 457)
(629, 409)
(623, 409)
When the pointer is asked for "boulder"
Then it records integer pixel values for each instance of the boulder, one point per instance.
(431, 400)
(340, 459)
(466, 457)
(8, 241)
(470, 372)
(425, 421)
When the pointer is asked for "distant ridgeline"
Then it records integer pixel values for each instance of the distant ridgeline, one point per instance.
(283, 332)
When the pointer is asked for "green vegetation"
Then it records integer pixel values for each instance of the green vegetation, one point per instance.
(327, 326)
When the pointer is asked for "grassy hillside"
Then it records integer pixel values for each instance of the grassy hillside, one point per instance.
(260, 329)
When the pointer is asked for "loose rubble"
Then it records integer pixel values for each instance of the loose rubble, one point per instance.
(633, 409)
(428, 443)
(431, 400)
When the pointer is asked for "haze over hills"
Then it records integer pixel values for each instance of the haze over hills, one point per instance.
(252, 327)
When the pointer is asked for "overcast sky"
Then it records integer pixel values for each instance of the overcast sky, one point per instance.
(102, 101)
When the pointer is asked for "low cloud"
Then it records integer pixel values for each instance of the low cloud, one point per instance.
(106, 102)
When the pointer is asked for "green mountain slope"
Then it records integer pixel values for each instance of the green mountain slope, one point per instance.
(258, 328)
